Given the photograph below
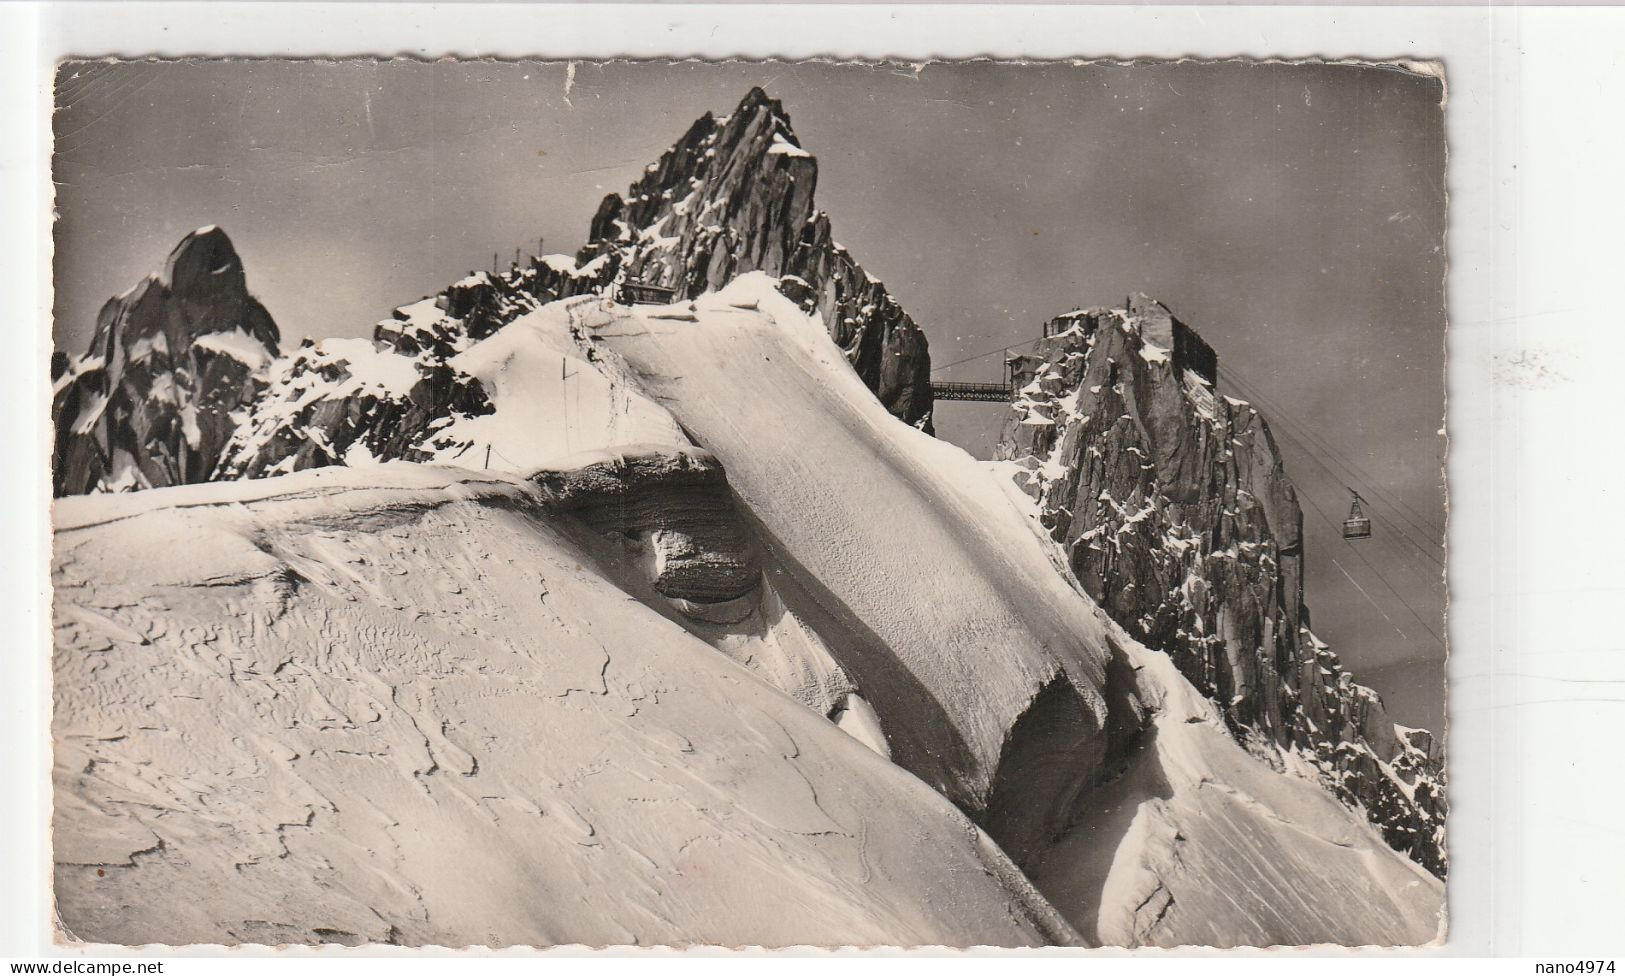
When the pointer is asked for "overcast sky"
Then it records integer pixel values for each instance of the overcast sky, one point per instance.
(1293, 215)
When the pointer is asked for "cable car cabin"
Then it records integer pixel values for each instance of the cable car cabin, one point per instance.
(1357, 525)
(638, 293)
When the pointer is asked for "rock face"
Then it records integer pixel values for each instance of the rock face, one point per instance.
(340, 401)
(673, 510)
(732, 197)
(735, 195)
(171, 364)
(1176, 514)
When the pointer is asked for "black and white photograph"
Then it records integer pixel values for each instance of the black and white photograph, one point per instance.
(749, 503)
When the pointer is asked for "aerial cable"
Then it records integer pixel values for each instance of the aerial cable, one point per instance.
(1352, 468)
(1368, 599)
(1403, 602)
(1397, 528)
(1429, 567)
(1430, 576)
(1377, 573)
(983, 355)
(1297, 436)
(1398, 511)
(1313, 455)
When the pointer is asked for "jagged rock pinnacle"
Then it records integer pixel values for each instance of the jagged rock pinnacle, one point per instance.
(735, 195)
(170, 364)
(1178, 518)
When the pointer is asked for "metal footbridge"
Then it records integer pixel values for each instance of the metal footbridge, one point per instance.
(980, 392)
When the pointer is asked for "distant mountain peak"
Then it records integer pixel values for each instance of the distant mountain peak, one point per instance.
(204, 263)
(172, 363)
(736, 194)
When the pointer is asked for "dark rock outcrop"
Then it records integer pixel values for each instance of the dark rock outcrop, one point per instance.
(172, 364)
(735, 195)
(329, 403)
(672, 509)
(385, 399)
(1177, 516)
(474, 308)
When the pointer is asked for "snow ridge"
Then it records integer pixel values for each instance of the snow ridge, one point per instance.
(694, 692)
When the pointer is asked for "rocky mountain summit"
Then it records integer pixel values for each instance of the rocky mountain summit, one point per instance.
(735, 195)
(732, 197)
(1177, 516)
(172, 364)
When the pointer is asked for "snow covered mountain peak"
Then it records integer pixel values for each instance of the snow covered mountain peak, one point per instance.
(172, 363)
(1177, 515)
(735, 195)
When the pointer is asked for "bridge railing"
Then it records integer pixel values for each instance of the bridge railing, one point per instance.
(984, 392)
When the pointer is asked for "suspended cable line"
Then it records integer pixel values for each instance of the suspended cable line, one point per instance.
(1374, 604)
(1377, 573)
(1423, 572)
(1428, 549)
(1405, 603)
(1352, 468)
(1380, 578)
(1425, 550)
(1432, 538)
(1398, 529)
(1420, 572)
(983, 355)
